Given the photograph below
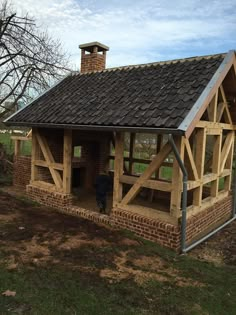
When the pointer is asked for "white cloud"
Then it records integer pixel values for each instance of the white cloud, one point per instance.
(139, 31)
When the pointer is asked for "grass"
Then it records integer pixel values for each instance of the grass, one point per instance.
(71, 282)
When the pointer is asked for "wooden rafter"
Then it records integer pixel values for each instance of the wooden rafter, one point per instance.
(153, 166)
(49, 160)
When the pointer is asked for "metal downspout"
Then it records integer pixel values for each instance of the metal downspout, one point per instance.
(184, 196)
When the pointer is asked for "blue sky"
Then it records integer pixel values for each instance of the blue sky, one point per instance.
(138, 31)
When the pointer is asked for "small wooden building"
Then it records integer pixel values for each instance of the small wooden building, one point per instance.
(188, 106)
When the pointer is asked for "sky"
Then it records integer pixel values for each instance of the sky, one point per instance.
(138, 31)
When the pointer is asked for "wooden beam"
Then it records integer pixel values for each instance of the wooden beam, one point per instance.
(56, 166)
(49, 159)
(67, 158)
(212, 125)
(118, 168)
(153, 166)
(176, 193)
(152, 184)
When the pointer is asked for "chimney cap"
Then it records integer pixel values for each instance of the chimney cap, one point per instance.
(89, 46)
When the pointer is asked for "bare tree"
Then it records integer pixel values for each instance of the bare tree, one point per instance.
(30, 60)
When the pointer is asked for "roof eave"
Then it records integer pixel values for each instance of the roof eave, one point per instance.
(173, 131)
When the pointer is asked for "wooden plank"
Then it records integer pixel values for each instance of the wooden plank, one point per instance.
(191, 159)
(200, 159)
(176, 196)
(118, 168)
(67, 158)
(152, 184)
(226, 149)
(50, 160)
(153, 166)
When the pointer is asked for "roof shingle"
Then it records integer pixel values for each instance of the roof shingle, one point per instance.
(158, 95)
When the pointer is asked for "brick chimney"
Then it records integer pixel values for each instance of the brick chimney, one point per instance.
(93, 57)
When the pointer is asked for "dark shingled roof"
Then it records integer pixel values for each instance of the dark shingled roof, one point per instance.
(157, 95)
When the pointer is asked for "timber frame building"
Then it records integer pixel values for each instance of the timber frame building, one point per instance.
(188, 105)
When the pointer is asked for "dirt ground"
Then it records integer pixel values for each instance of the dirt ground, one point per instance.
(35, 236)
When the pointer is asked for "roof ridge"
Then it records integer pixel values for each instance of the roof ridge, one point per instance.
(143, 65)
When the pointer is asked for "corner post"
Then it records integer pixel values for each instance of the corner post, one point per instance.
(67, 161)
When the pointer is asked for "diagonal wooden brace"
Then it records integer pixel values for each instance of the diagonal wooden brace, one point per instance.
(153, 166)
(50, 160)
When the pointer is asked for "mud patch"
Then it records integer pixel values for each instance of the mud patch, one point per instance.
(144, 269)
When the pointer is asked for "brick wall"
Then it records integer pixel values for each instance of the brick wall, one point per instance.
(49, 199)
(155, 230)
(209, 218)
(161, 232)
(21, 171)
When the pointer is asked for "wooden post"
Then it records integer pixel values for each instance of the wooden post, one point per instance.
(216, 164)
(176, 193)
(67, 157)
(200, 160)
(118, 167)
(17, 147)
(131, 152)
(34, 156)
